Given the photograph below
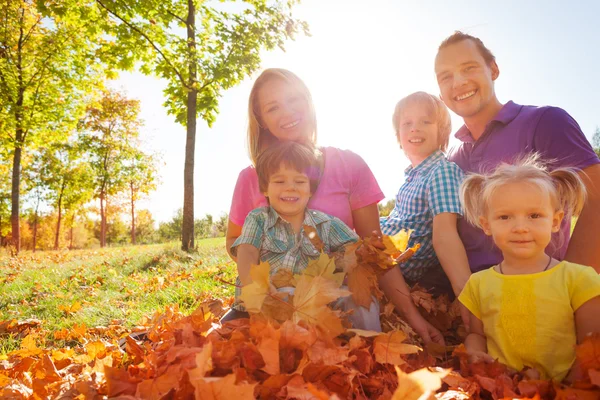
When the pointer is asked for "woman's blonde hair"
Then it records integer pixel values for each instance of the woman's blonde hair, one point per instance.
(563, 185)
(435, 108)
(259, 137)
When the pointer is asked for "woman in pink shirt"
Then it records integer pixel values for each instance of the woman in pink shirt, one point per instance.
(281, 108)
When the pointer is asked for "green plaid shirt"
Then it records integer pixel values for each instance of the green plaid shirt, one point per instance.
(281, 247)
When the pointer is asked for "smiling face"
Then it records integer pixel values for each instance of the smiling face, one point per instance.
(288, 192)
(284, 111)
(466, 80)
(521, 218)
(417, 132)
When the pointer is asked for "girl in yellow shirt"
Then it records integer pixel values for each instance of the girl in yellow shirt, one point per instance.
(529, 310)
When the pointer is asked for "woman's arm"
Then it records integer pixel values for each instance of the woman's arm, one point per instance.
(366, 223)
(247, 256)
(233, 232)
(450, 250)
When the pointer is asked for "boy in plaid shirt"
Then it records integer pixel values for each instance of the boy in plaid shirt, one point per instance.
(428, 201)
(288, 175)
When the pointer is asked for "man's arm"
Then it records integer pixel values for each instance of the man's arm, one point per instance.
(450, 250)
(584, 246)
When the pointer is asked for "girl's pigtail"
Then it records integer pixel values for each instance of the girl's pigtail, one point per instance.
(471, 197)
(570, 190)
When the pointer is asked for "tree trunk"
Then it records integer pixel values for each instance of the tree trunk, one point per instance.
(132, 213)
(102, 220)
(187, 234)
(71, 238)
(35, 223)
(57, 235)
(16, 181)
(19, 142)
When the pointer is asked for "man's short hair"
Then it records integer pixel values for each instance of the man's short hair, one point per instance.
(303, 159)
(459, 36)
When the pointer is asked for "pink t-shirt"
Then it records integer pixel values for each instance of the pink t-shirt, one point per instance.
(347, 184)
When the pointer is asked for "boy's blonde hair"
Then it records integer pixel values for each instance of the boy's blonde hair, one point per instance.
(563, 185)
(435, 108)
(259, 138)
(292, 155)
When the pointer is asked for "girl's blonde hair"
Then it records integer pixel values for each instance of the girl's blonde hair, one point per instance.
(259, 138)
(563, 185)
(435, 108)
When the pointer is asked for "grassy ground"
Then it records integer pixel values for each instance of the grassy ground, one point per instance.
(108, 286)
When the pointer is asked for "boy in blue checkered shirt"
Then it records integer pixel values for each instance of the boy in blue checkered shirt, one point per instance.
(288, 175)
(428, 201)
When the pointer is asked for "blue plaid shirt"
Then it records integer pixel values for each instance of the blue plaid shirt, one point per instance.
(282, 248)
(431, 188)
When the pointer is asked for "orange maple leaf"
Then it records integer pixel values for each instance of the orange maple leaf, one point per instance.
(396, 244)
(155, 389)
(416, 384)
(68, 310)
(389, 348)
(588, 352)
(362, 282)
(223, 389)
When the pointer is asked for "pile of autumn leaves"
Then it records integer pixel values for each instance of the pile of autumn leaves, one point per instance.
(292, 347)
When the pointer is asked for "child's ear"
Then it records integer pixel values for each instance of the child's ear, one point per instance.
(556, 220)
(485, 225)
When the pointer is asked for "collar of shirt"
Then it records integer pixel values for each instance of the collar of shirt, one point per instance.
(508, 112)
(311, 218)
(426, 165)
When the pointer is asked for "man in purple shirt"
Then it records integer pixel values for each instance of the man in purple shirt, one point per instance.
(494, 132)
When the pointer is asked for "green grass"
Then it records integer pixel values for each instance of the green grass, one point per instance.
(124, 284)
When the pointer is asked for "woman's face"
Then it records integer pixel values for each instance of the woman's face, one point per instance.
(284, 111)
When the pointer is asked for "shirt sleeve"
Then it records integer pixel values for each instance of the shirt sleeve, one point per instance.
(246, 196)
(252, 231)
(364, 189)
(585, 287)
(443, 190)
(560, 141)
(340, 234)
(469, 297)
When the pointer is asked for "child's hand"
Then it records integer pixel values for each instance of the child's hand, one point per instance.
(479, 356)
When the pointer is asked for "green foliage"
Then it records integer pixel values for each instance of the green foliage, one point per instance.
(386, 208)
(127, 283)
(596, 141)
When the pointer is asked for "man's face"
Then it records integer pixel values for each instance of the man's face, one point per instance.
(466, 81)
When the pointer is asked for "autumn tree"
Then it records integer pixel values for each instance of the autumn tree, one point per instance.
(596, 141)
(47, 64)
(67, 179)
(111, 124)
(140, 174)
(200, 48)
(386, 208)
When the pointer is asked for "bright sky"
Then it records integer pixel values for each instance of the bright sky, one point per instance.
(362, 58)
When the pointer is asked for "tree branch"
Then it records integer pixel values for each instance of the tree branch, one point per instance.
(133, 27)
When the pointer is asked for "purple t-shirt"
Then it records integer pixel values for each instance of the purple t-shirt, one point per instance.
(347, 184)
(518, 130)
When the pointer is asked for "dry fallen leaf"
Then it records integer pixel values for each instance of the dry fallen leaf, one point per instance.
(254, 294)
(223, 389)
(389, 348)
(419, 383)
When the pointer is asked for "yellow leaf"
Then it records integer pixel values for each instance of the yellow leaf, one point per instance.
(283, 278)
(419, 383)
(254, 294)
(95, 349)
(28, 347)
(398, 242)
(203, 363)
(73, 308)
(311, 298)
(364, 333)
(323, 266)
(4, 380)
(388, 348)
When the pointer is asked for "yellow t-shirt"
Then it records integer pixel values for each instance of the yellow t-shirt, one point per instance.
(528, 320)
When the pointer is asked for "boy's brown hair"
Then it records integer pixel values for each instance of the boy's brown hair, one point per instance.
(291, 154)
(435, 108)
